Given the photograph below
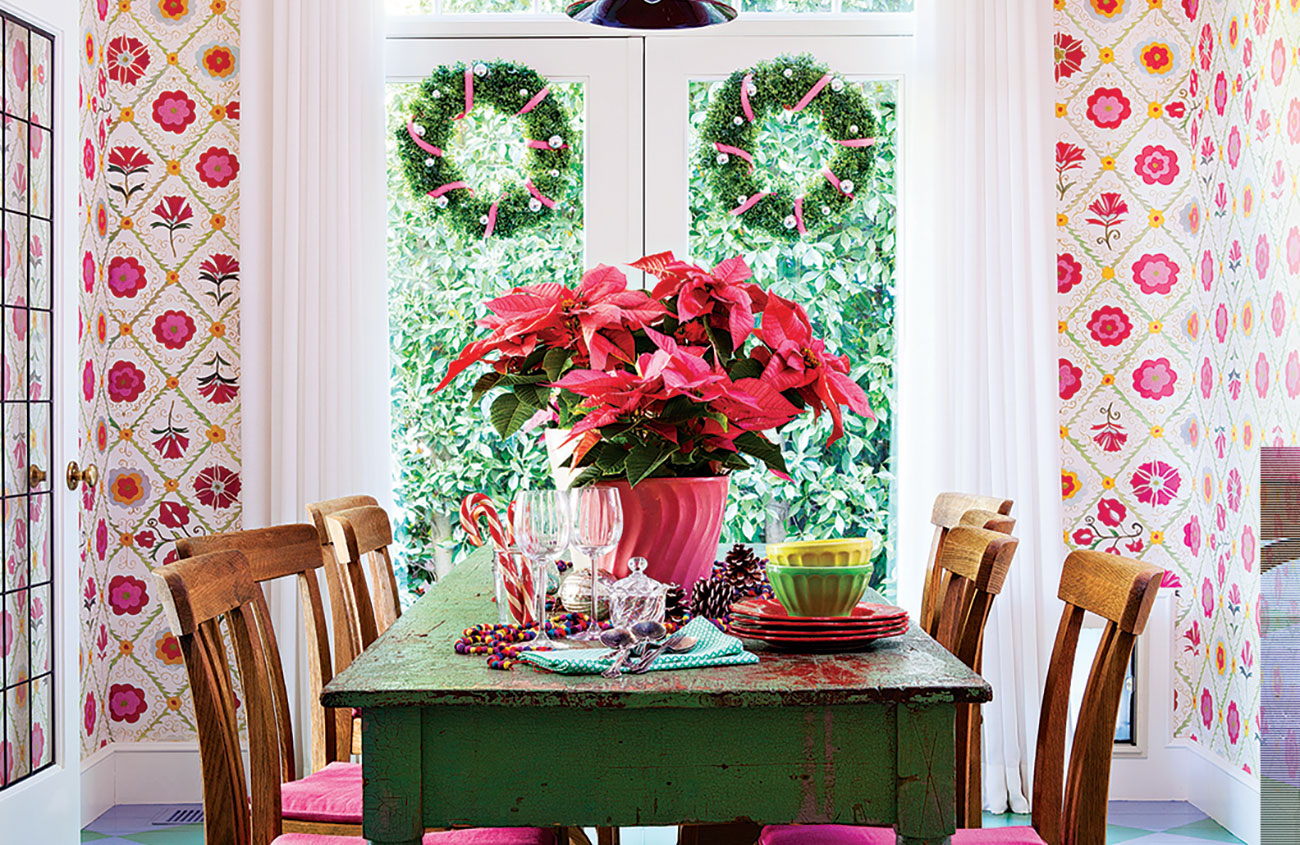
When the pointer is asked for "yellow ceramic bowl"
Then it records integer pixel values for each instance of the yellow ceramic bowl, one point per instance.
(850, 552)
(818, 590)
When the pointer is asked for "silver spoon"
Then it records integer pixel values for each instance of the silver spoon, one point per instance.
(627, 641)
(677, 645)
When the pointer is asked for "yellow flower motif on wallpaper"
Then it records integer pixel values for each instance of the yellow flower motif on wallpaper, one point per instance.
(1062, 220)
(1107, 483)
(126, 115)
(1108, 8)
(1108, 273)
(1065, 432)
(1155, 110)
(173, 167)
(1155, 327)
(1060, 109)
(1156, 218)
(1107, 162)
(168, 649)
(1157, 431)
(1070, 484)
(216, 434)
(174, 10)
(1108, 379)
(1105, 55)
(1157, 538)
(1156, 58)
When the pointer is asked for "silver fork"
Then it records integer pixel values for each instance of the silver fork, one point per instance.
(653, 652)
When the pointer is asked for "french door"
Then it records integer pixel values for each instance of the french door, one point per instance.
(39, 765)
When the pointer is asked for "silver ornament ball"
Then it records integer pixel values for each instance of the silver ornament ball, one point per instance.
(837, 84)
(534, 204)
(554, 174)
(437, 95)
(787, 73)
(480, 69)
(738, 120)
(555, 142)
(441, 202)
(854, 128)
(429, 162)
(847, 186)
(790, 222)
(723, 158)
(483, 220)
(523, 92)
(741, 200)
(417, 129)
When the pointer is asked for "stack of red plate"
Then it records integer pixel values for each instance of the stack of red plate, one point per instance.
(767, 620)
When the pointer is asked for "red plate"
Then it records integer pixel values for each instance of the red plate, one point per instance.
(771, 610)
(830, 630)
(819, 643)
(817, 638)
(836, 624)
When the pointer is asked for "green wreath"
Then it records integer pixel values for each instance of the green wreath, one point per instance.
(731, 128)
(449, 94)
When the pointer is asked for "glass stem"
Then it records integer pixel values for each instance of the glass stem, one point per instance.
(539, 576)
(595, 605)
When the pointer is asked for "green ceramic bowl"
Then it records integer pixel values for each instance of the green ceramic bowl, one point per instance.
(818, 590)
(854, 551)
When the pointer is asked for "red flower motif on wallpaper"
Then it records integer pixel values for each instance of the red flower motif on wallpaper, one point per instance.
(1109, 326)
(1068, 157)
(1277, 313)
(88, 381)
(127, 59)
(1190, 8)
(1278, 62)
(173, 329)
(1069, 272)
(168, 649)
(125, 382)
(219, 61)
(88, 714)
(1069, 55)
(1071, 379)
(1155, 483)
(218, 167)
(174, 515)
(216, 386)
(1192, 535)
(127, 595)
(1156, 58)
(1108, 108)
(1155, 274)
(125, 276)
(217, 486)
(1155, 378)
(1261, 375)
(1108, 212)
(216, 271)
(127, 162)
(1205, 48)
(1109, 435)
(1207, 598)
(174, 111)
(126, 703)
(1262, 256)
(1220, 93)
(1108, 8)
(173, 214)
(171, 443)
(1111, 512)
(1157, 165)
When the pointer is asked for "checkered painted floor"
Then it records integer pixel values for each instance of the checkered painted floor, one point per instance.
(1131, 822)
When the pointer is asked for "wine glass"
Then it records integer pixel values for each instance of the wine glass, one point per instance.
(597, 527)
(542, 531)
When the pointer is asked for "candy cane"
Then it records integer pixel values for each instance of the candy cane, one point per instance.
(518, 592)
(478, 505)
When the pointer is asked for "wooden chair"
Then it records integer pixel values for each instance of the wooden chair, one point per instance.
(1069, 805)
(949, 508)
(359, 538)
(213, 603)
(973, 564)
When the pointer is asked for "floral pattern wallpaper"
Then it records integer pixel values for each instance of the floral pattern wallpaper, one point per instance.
(160, 337)
(1175, 203)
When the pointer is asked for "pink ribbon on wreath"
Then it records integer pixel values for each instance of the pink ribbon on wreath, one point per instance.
(749, 203)
(450, 186)
(532, 104)
(538, 195)
(812, 92)
(735, 151)
(420, 142)
(798, 216)
(835, 180)
(858, 142)
(744, 97)
(492, 220)
(469, 94)
(542, 145)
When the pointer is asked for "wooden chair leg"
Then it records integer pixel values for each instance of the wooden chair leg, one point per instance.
(734, 833)
(607, 836)
(573, 836)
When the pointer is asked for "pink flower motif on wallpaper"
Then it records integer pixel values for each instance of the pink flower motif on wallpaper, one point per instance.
(125, 382)
(1192, 535)
(1111, 512)
(1293, 121)
(1207, 378)
(1108, 212)
(101, 539)
(174, 111)
(1156, 165)
(127, 595)
(173, 214)
(217, 486)
(126, 276)
(1207, 270)
(1248, 548)
(1155, 274)
(1205, 48)
(1155, 378)
(88, 272)
(1109, 326)
(1233, 148)
(1221, 321)
(88, 381)
(19, 69)
(1193, 637)
(1234, 489)
(1155, 483)
(1108, 108)
(1261, 15)
(1109, 435)
(1262, 255)
(173, 329)
(126, 703)
(1207, 598)
(1277, 314)
(1207, 708)
(1278, 64)
(88, 159)
(1261, 375)
(88, 714)
(127, 59)
(1071, 379)
(1068, 54)
(1220, 93)
(1293, 374)
(218, 167)
(1069, 272)
(1068, 157)
(1234, 723)
(1190, 7)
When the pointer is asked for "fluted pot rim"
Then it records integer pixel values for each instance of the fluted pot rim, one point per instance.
(687, 479)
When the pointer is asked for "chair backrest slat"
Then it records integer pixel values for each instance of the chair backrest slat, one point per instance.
(199, 594)
(975, 562)
(947, 513)
(1070, 803)
(342, 610)
(364, 534)
(282, 551)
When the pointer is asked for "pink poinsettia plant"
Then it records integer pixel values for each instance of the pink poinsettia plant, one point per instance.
(684, 380)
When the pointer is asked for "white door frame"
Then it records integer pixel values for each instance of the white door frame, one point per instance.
(47, 806)
(611, 72)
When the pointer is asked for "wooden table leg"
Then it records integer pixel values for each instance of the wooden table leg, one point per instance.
(391, 764)
(927, 783)
(607, 836)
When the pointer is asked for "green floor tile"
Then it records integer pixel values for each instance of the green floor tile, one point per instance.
(1118, 833)
(190, 834)
(91, 836)
(1006, 820)
(1206, 829)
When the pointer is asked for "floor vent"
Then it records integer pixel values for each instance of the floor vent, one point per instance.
(180, 814)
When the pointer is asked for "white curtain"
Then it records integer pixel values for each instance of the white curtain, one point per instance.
(314, 316)
(977, 374)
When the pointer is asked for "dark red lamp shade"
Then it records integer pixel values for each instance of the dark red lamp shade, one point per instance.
(651, 14)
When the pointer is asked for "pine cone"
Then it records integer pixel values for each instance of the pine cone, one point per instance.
(744, 571)
(676, 606)
(711, 598)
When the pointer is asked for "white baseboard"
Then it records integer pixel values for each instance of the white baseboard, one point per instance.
(140, 773)
(1227, 795)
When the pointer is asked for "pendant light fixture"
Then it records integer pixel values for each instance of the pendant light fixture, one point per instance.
(651, 14)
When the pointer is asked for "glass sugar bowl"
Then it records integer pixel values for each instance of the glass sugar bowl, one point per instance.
(637, 598)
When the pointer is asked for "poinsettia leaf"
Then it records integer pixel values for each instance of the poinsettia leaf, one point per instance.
(752, 443)
(612, 457)
(485, 382)
(654, 264)
(644, 460)
(534, 395)
(508, 413)
(745, 368)
(512, 379)
(584, 447)
(554, 362)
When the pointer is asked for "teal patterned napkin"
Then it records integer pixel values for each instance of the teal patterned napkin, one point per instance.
(714, 649)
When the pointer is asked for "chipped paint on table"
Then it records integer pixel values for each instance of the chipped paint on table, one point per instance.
(862, 737)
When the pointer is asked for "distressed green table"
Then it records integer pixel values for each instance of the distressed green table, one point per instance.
(858, 738)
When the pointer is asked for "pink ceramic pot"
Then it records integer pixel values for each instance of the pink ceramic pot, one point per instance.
(674, 523)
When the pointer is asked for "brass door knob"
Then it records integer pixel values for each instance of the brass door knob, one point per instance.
(35, 476)
(76, 475)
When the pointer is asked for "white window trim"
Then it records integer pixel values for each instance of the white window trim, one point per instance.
(754, 24)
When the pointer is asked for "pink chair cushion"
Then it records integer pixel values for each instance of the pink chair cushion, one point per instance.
(839, 834)
(474, 836)
(331, 795)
